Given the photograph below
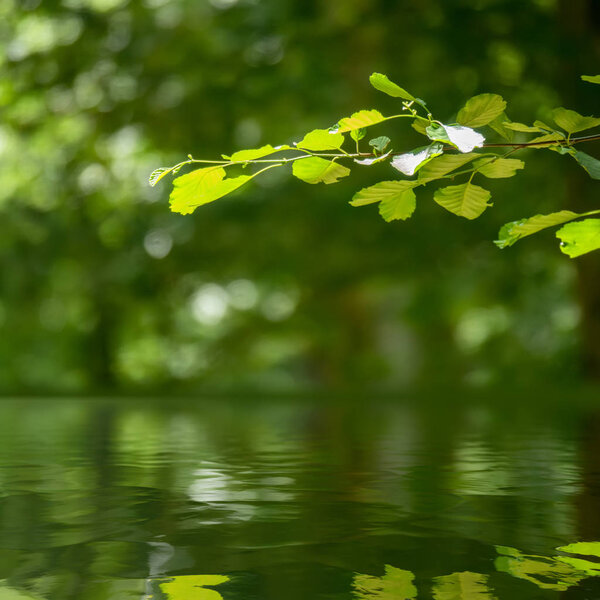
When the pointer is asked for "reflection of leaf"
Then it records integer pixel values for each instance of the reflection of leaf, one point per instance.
(546, 573)
(396, 584)
(10, 593)
(462, 586)
(583, 548)
(591, 78)
(192, 587)
(586, 566)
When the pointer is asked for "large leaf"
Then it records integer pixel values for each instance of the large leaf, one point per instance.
(442, 165)
(192, 587)
(463, 138)
(591, 78)
(321, 139)
(396, 584)
(589, 163)
(481, 110)
(317, 170)
(466, 200)
(498, 168)
(462, 586)
(410, 162)
(572, 121)
(514, 231)
(579, 238)
(384, 190)
(203, 186)
(360, 119)
(383, 84)
(401, 206)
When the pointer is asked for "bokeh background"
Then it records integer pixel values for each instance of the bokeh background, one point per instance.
(282, 286)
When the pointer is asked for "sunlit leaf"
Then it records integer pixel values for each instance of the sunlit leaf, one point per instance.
(466, 200)
(499, 125)
(159, 173)
(383, 84)
(401, 206)
(442, 165)
(583, 548)
(481, 110)
(498, 168)
(546, 573)
(358, 134)
(321, 139)
(589, 163)
(579, 238)
(384, 190)
(317, 170)
(380, 143)
(463, 138)
(543, 141)
(420, 126)
(192, 587)
(372, 160)
(522, 128)
(572, 121)
(396, 584)
(410, 162)
(541, 125)
(360, 119)
(462, 586)
(591, 78)
(253, 153)
(514, 231)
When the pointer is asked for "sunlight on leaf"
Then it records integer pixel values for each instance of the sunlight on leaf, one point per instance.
(410, 162)
(321, 139)
(514, 231)
(396, 584)
(579, 238)
(572, 121)
(384, 190)
(589, 163)
(498, 168)
(192, 587)
(463, 138)
(383, 84)
(481, 110)
(360, 119)
(317, 170)
(462, 586)
(466, 200)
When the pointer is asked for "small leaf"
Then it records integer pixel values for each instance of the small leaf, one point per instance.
(380, 143)
(420, 126)
(383, 84)
(442, 165)
(360, 119)
(583, 548)
(410, 162)
(462, 586)
(252, 153)
(373, 160)
(591, 78)
(466, 200)
(481, 110)
(384, 190)
(316, 170)
(543, 126)
(401, 206)
(514, 231)
(522, 128)
(158, 174)
(572, 122)
(579, 238)
(498, 168)
(321, 139)
(589, 163)
(358, 134)
(499, 125)
(463, 138)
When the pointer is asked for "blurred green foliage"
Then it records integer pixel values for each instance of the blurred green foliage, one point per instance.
(102, 287)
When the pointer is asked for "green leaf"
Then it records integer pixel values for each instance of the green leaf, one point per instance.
(466, 200)
(253, 153)
(420, 126)
(514, 231)
(316, 170)
(372, 160)
(384, 190)
(499, 125)
(203, 186)
(380, 143)
(543, 140)
(358, 134)
(591, 78)
(498, 168)
(572, 122)
(360, 119)
(583, 548)
(462, 586)
(321, 139)
(481, 110)
(589, 163)
(396, 584)
(383, 84)
(410, 162)
(442, 165)
(522, 128)
(401, 206)
(192, 587)
(159, 173)
(463, 138)
(579, 238)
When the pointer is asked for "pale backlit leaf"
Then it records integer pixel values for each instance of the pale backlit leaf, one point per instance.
(410, 162)
(373, 159)
(466, 200)
(317, 170)
(401, 206)
(580, 237)
(522, 128)
(481, 110)
(463, 138)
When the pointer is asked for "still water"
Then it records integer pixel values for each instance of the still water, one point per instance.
(283, 500)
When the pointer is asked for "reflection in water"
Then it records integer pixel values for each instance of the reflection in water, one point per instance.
(284, 501)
